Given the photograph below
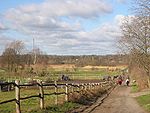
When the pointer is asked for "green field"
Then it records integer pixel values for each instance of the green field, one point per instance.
(49, 74)
(144, 101)
(31, 104)
(134, 88)
(58, 108)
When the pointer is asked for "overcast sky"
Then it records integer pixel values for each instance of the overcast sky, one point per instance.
(63, 27)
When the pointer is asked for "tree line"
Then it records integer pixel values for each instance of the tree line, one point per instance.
(135, 40)
(16, 57)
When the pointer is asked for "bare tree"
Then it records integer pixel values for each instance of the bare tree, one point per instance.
(13, 55)
(18, 46)
(141, 7)
(136, 35)
(8, 58)
(41, 57)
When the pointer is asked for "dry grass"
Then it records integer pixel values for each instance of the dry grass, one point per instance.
(105, 67)
(60, 66)
(70, 66)
(140, 76)
(86, 97)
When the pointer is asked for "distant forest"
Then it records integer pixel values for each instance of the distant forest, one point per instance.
(95, 60)
(82, 60)
(14, 57)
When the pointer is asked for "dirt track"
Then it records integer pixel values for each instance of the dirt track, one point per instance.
(119, 101)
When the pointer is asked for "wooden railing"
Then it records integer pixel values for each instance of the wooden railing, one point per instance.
(69, 88)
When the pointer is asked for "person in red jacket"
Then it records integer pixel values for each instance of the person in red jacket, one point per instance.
(120, 80)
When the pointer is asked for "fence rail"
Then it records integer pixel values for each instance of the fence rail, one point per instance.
(69, 88)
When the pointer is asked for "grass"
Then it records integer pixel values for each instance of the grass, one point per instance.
(33, 103)
(134, 88)
(8, 107)
(58, 108)
(56, 74)
(144, 101)
(30, 106)
(27, 105)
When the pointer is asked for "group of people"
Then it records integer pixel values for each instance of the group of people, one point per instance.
(121, 79)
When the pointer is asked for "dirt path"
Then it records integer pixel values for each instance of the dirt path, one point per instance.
(119, 101)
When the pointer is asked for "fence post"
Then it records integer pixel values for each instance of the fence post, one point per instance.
(101, 85)
(9, 87)
(78, 87)
(97, 85)
(41, 95)
(72, 87)
(89, 85)
(56, 96)
(66, 93)
(93, 85)
(85, 86)
(17, 90)
(82, 86)
(0, 88)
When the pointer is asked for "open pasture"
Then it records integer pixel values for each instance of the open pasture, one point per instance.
(55, 72)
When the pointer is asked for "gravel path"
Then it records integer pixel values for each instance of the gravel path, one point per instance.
(119, 101)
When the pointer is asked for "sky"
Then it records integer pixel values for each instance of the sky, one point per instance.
(63, 27)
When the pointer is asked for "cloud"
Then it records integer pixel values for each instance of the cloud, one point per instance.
(49, 13)
(2, 27)
(57, 26)
(79, 8)
(57, 8)
(121, 1)
(3, 42)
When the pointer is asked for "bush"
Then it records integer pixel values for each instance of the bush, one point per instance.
(86, 97)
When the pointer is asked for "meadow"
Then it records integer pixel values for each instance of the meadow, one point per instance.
(144, 101)
(32, 104)
(54, 72)
(50, 73)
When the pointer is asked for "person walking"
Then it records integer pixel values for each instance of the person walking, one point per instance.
(127, 81)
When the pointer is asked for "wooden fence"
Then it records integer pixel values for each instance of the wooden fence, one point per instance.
(69, 88)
